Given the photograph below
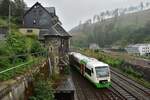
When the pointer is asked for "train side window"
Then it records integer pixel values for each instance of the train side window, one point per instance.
(88, 71)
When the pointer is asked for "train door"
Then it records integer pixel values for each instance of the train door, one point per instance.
(92, 74)
(82, 69)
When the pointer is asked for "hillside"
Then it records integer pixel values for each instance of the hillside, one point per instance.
(114, 31)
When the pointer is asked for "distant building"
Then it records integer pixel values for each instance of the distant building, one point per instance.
(3, 32)
(139, 49)
(43, 22)
(94, 46)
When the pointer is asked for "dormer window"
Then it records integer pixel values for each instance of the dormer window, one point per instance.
(34, 21)
(36, 6)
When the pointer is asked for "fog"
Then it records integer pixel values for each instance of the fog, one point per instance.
(71, 12)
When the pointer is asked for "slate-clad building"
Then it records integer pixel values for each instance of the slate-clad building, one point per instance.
(44, 22)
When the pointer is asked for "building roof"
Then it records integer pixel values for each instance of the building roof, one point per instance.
(49, 10)
(48, 32)
(56, 29)
(59, 29)
(137, 45)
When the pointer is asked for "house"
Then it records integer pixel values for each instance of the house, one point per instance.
(3, 32)
(94, 46)
(139, 49)
(43, 22)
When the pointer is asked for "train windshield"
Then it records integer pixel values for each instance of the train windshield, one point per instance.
(102, 71)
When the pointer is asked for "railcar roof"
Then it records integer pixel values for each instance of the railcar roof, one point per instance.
(88, 60)
(96, 64)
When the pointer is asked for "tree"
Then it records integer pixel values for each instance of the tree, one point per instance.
(19, 10)
(4, 8)
(16, 43)
(142, 5)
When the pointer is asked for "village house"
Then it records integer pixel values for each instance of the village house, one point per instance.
(43, 22)
(139, 49)
(94, 46)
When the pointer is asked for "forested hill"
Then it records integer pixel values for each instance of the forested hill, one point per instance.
(117, 31)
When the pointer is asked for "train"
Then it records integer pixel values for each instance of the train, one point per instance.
(95, 71)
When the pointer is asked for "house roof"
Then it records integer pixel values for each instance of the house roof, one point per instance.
(56, 29)
(59, 29)
(49, 10)
(47, 32)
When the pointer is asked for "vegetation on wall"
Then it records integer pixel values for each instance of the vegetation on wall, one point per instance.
(42, 91)
(18, 49)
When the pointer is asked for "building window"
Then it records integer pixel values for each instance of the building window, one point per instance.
(50, 49)
(29, 31)
(56, 60)
(34, 21)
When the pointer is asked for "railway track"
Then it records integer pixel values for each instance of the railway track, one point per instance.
(86, 91)
(122, 88)
(133, 89)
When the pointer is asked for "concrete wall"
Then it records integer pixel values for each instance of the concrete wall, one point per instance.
(21, 88)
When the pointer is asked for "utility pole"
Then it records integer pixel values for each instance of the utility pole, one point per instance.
(9, 18)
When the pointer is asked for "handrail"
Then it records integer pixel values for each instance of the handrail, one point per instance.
(15, 67)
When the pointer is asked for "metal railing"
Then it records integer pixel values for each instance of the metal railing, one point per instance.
(36, 58)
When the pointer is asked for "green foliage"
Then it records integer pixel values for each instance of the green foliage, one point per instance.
(66, 70)
(17, 50)
(111, 32)
(42, 91)
(131, 71)
(4, 49)
(36, 47)
(17, 10)
(16, 43)
(4, 8)
(3, 23)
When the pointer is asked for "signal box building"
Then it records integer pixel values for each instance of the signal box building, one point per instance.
(43, 22)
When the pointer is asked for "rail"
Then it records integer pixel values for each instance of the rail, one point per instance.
(12, 68)
(18, 68)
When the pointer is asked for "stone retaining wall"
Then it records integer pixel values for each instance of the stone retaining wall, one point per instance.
(21, 88)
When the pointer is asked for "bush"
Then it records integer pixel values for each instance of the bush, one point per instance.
(42, 91)
(36, 47)
(16, 43)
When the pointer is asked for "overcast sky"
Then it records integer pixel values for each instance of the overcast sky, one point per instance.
(71, 12)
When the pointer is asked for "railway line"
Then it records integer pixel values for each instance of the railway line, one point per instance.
(136, 90)
(86, 91)
(122, 88)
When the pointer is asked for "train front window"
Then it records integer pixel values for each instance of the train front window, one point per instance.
(102, 71)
